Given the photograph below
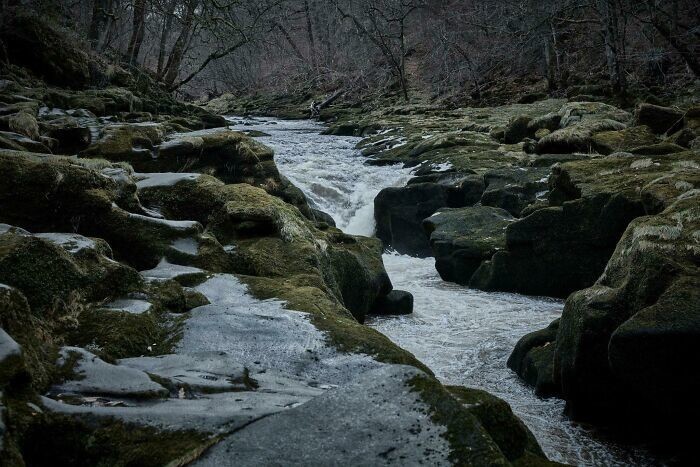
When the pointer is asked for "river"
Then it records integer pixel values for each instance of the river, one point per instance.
(463, 335)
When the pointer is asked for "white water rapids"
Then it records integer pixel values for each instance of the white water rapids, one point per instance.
(463, 335)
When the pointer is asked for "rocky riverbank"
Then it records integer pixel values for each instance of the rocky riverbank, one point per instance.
(566, 198)
(167, 297)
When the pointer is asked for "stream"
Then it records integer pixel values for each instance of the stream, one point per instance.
(465, 336)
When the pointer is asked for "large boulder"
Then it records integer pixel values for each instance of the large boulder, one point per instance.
(626, 140)
(228, 155)
(576, 138)
(461, 239)
(52, 270)
(579, 122)
(564, 247)
(513, 189)
(533, 360)
(72, 134)
(399, 211)
(129, 142)
(45, 193)
(517, 130)
(27, 37)
(630, 338)
(557, 250)
(659, 119)
(266, 237)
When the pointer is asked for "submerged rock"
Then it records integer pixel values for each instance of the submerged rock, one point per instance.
(533, 360)
(396, 302)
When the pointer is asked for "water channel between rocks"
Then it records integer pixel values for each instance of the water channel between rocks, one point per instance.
(463, 335)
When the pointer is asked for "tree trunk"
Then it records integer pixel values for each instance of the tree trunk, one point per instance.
(310, 35)
(608, 12)
(291, 42)
(690, 58)
(549, 63)
(101, 23)
(172, 68)
(164, 36)
(402, 63)
(138, 27)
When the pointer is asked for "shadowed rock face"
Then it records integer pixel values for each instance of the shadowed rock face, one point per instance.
(565, 247)
(628, 340)
(642, 344)
(399, 212)
(461, 239)
(61, 64)
(557, 250)
(659, 119)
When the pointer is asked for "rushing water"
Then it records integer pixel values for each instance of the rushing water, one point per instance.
(463, 335)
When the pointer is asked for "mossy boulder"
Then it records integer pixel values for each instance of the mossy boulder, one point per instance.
(461, 239)
(510, 434)
(55, 271)
(665, 147)
(270, 238)
(564, 247)
(659, 119)
(24, 123)
(517, 130)
(17, 142)
(631, 336)
(514, 189)
(72, 134)
(132, 143)
(230, 156)
(59, 194)
(579, 122)
(609, 142)
(101, 102)
(472, 416)
(577, 137)
(557, 250)
(533, 360)
(26, 36)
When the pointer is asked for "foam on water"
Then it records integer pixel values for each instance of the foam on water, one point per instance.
(329, 170)
(463, 335)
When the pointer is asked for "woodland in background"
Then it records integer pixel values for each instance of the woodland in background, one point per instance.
(460, 49)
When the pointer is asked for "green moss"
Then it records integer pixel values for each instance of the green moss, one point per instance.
(307, 294)
(608, 142)
(74, 441)
(510, 434)
(481, 429)
(115, 334)
(469, 442)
